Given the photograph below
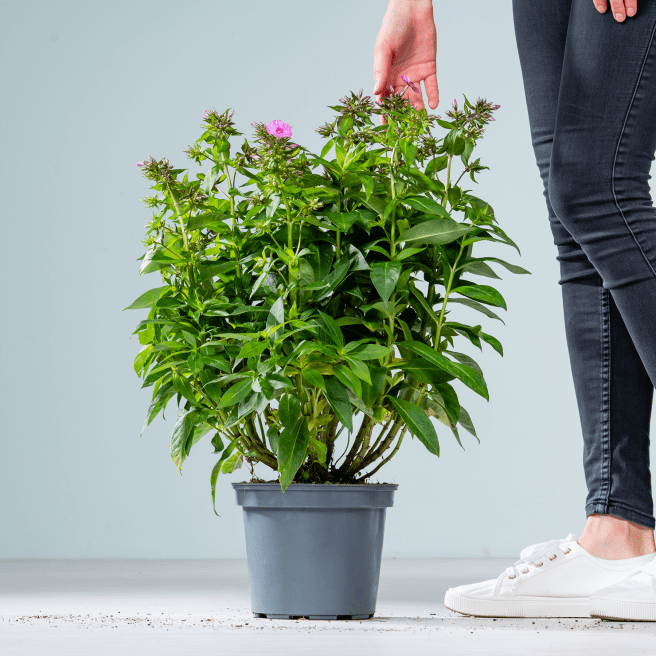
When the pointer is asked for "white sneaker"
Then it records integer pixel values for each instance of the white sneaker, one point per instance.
(634, 598)
(551, 579)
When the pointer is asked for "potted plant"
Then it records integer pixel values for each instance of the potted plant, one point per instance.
(315, 306)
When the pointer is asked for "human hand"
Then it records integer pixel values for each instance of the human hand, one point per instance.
(407, 45)
(620, 8)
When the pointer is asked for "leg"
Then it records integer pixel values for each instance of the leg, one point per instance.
(613, 389)
(609, 345)
(604, 142)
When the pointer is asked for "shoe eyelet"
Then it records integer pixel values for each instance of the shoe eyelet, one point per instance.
(513, 577)
(525, 571)
(540, 565)
(568, 551)
(554, 558)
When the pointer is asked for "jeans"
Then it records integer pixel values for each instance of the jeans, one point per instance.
(590, 87)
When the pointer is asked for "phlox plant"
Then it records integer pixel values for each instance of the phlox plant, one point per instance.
(318, 305)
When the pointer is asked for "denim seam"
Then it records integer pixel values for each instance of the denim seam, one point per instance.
(619, 510)
(606, 454)
(606, 505)
(619, 143)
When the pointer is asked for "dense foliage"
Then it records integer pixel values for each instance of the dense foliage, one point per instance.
(316, 304)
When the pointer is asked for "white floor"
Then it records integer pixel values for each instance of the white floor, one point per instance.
(199, 607)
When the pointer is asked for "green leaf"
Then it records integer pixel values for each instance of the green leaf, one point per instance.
(319, 450)
(437, 231)
(384, 276)
(251, 349)
(370, 392)
(348, 378)
(477, 306)
(236, 393)
(313, 377)
(147, 299)
(370, 352)
(360, 369)
(426, 205)
(337, 396)
(438, 164)
(409, 151)
(418, 423)
(183, 387)
(464, 373)
(493, 342)
(448, 398)
(292, 451)
(334, 330)
(216, 471)
(160, 398)
(391, 204)
(233, 462)
(483, 293)
(289, 410)
(272, 206)
(211, 178)
(422, 178)
(321, 259)
(465, 421)
(424, 304)
(344, 124)
(325, 150)
(480, 269)
(367, 183)
(217, 443)
(182, 431)
(196, 363)
(272, 436)
(343, 220)
(513, 268)
(426, 372)
(463, 358)
(276, 317)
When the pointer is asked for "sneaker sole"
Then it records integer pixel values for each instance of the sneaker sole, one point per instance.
(629, 611)
(518, 606)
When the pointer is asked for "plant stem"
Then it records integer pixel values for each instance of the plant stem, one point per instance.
(190, 271)
(448, 177)
(357, 443)
(232, 212)
(436, 339)
(374, 455)
(389, 457)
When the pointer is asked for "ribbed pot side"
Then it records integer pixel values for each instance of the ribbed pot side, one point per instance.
(315, 549)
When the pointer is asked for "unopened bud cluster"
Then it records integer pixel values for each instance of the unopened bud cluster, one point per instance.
(473, 118)
(159, 171)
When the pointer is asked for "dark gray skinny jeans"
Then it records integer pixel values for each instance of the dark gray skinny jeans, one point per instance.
(590, 85)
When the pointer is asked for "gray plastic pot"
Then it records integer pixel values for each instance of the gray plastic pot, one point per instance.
(314, 550)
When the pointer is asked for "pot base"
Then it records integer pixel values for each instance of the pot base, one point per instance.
(272, 616)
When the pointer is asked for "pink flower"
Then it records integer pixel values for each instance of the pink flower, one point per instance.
(410, 84)
(279, 129)
(140, 163)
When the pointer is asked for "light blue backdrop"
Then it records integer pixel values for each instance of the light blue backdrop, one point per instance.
(90, 88)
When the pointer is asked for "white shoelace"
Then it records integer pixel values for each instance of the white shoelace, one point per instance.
(535, 554)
